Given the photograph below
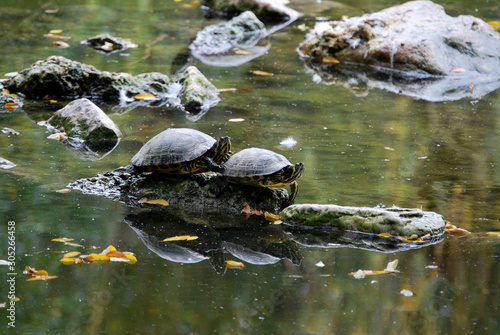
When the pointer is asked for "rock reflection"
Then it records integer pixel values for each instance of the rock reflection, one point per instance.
(253, 240)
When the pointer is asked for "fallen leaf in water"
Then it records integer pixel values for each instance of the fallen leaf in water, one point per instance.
(220, 90)
(271, 217)
(157, 202)
(389, 148)
(494, 24)
(494, 233)
(145, 97)
(35, 274)
(451, 229)
(330, 60)
(74, 244)
(64, 190)
(458, 70)
(70, 261)
(180, 238)
(58, 136)
(71, 254)
(234, 265)
(57, 37)
(407, 293)
(56, 31)
(236, 120)
(384, 235)
(60, 44)
(110, 254)
(11, 106)
(62, 239)
(262, 73)
(109, 249)
(51, 11)
(391, 268)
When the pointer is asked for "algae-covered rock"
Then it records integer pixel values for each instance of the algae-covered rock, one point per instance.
(189, 194)
(83, 119)
(395, 220)
(199, 94)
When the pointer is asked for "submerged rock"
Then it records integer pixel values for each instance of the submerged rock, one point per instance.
(189, 194)
(241, 31)
(434, 56)
(395, 220)
(83, 119)
(61, 78)
(107, 43)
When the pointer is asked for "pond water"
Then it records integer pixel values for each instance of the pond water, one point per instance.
(361, 147)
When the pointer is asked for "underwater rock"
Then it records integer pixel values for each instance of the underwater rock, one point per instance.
(242, 31)
(60, 78)
(198, 93)
(433, 56)
(83, 119)
(187, 193)
(395, 220)
(107, 43)
(269, 10)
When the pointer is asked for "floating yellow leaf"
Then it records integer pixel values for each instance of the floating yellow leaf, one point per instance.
(57, 37)
(271, 217)
(71, 254)
(74, 244)
(41, 278)
(262, 73)
(330, 60)
(64, 190)
(242, 52)
(68, 260)
(11, 105)
(62, 239)
(60, 44)
(56, 31)
(180, 238)
(145, 97)
(108, 250)
(220, 90)
(236, 120)
(494, 24)
(35, 274)
(389, 148)
(99, 257)
(235, 265)
(58, 136)
(494, 233)
(391, 268)
(158, 202)
(131, 257)
(384, 235)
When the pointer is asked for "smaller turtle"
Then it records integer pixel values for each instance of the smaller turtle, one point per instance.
(181, 151)
(263, 168)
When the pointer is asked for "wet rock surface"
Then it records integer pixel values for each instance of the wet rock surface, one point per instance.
(198, 93)
(83, 119)
(107, 43)
(414, 49)
(395, 220)
(189, 194)
(61, 78)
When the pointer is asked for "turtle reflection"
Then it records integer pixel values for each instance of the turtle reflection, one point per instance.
(261, 244)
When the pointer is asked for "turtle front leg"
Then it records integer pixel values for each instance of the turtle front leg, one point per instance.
(294, 189)
(211, 165)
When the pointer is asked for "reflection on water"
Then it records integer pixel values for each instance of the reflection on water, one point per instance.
(359, 147)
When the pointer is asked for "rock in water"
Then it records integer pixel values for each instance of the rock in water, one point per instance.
(395, 220)
(198, 94)
(83, 119)
(416, 40)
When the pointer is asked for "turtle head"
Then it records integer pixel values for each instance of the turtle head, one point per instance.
(293, 172)
(221, 150)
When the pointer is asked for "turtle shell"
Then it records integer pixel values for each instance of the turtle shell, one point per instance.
(174, 145)
(255, 162)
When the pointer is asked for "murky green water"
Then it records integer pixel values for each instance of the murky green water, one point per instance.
(360, 148)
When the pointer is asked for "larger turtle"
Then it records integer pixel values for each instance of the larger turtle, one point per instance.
(263, 168)
(181, 151)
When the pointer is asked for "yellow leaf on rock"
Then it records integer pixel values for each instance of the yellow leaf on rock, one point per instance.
(271, 217)
(157, 202)
(494, 24)
(234, 265)
(58, 136)
(11, 105)
(180, 238)
(330, 60)
(145, 97)
(262, 73)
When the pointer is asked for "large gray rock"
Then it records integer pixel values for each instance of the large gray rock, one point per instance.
(395, 220)
(83, 119)
(217, 44)
(61, 78)
(434, 56)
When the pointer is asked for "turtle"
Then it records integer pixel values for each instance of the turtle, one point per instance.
(182, 151)
(263, 168)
